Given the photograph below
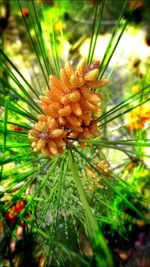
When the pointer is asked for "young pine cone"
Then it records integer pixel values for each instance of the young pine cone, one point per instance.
(70, 103)
(46, 136)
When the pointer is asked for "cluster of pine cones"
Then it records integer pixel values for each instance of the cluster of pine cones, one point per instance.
(69, 105)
